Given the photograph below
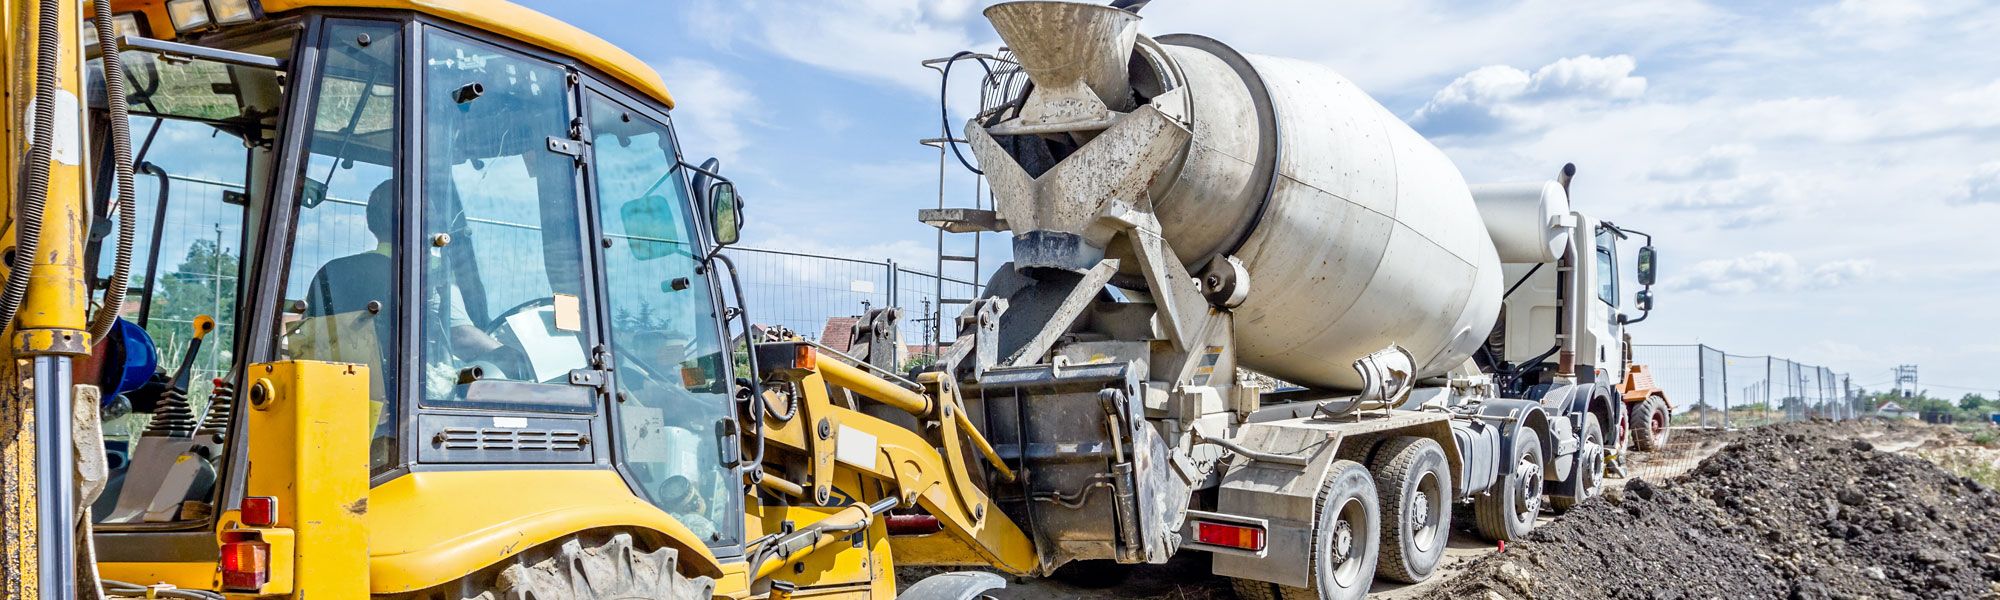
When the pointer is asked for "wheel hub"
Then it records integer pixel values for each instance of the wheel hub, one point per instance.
(1343, 542)
(1420, 510)
(1530, 499)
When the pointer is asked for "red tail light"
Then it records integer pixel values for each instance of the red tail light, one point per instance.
(1229, 535)
(246, 565)
(260, 511)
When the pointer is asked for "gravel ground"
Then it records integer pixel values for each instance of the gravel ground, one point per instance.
(1800, 510)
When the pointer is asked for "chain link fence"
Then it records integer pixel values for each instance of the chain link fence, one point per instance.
(1712, 388)
(807, 292)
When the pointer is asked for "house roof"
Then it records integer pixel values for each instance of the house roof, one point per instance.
(838, 333)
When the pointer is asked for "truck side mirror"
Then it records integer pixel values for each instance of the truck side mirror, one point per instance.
(1646, 267)
(1644, 301)
(725, 212)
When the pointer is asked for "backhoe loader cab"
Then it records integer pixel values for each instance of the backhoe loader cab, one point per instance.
(462, 332)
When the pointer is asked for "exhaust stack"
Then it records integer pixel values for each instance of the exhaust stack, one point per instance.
(1076, 55)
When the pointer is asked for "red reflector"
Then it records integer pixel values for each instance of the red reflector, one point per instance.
(246, 565)
(260, 511)
(1241, 537)
(805, 359)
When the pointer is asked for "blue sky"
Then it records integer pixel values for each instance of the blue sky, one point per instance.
(1823, 178)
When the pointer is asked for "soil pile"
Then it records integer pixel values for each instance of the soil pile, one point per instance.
(1798, 510)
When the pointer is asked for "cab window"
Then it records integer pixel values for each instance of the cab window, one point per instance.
(503, 271)
(665, 334)
(1607, 266)
(203, 134)
(339, 294)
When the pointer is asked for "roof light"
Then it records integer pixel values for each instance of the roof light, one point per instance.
(123, 25)
(231, 12)
(188, 15)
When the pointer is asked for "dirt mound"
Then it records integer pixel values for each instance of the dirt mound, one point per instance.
(1800, 510)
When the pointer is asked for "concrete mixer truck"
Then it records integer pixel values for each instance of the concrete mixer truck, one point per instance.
(1180, 210)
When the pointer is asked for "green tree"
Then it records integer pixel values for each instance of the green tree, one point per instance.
(203, 284)
(1972, 402)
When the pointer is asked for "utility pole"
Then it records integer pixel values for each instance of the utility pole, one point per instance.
(1906, 374)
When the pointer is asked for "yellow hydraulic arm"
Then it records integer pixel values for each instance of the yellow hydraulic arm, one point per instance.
(44, 301)
(934, 472)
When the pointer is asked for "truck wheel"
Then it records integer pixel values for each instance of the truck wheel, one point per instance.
(1507, 512)
(1346, 531)
(1649, 424)
(1588, 480)
(1414, 482)
(583, 566)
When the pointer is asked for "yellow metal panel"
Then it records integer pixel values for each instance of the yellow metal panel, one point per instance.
(308, 428)
(195, 575)
(432, 527)
(519, 23)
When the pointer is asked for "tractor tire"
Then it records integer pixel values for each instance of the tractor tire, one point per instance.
(583, 566)
(1414, 482)
(1586, 481)
(1649, 424)
(1507, 512)
(1347, 525)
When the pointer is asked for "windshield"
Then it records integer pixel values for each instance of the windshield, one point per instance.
(203, 136)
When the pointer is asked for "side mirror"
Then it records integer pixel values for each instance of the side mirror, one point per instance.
(1646, 266)
(1644, 301)
(725, 212)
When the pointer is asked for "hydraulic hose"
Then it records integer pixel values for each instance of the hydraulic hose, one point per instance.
(121, 164)
(34, 193)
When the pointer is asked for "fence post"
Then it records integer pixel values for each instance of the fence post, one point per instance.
(1701, 381)
(1767, 386)
(1725, 389)
(889, 279)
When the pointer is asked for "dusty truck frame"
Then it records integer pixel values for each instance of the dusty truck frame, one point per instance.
(1179, 210)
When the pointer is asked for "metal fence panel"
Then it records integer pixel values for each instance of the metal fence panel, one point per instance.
(1708, 386)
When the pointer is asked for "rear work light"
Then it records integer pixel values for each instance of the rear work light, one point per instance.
(1230, 535)
(246, 565)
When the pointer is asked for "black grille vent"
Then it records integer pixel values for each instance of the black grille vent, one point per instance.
(491, 439)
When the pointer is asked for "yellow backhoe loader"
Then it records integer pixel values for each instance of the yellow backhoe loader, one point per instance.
(420, 299)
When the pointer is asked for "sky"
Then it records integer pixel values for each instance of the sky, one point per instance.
(1822, 179)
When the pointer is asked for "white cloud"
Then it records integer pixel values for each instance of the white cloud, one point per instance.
(1495, 97)
(1769, 272)
(877, 40)
(1983, 186)
(713, 107)
(1717, 162)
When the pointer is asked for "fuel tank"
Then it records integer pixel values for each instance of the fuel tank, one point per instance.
(1355, 231)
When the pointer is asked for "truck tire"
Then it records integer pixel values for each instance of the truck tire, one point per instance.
(1414, 482)
(582, 566)
(1588, 479)
(1649, 424)
(1507, 512)
(1346, 530)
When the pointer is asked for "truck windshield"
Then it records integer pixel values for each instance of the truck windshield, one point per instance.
(203, 134)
